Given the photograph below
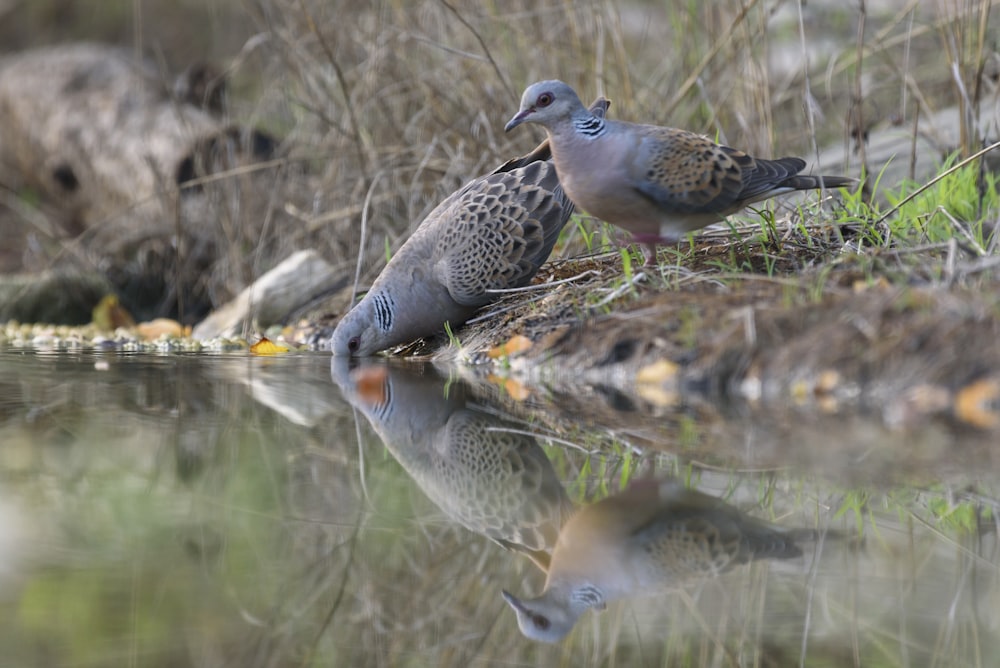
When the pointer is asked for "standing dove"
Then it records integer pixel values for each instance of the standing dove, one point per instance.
(494, 233)
(654, 536)
(656, 182)
(483, 471)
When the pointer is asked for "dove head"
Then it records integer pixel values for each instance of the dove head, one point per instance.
(545, 618)
(548, 103)
(367, 328)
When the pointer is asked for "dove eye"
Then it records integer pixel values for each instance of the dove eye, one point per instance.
(545, 99)
(540, 622)
(354, 344)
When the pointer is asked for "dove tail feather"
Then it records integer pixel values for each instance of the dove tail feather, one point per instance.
(806, 182)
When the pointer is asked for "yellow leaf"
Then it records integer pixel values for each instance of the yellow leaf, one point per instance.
(978, 404)
(658, 372)
(109, 314)
(826, 382)
(801, 391)
(516, 344)
(657, 395)
(880, 283)
(267, 347)
(516, 390)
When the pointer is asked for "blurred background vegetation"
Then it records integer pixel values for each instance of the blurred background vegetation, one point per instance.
(394, 104)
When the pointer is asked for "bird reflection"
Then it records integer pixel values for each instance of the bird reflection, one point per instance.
(654, 536)
(481, 470)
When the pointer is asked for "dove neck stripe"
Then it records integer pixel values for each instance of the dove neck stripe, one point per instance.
(592, 126)
(587, 596)
(384, 308)
(383, 408)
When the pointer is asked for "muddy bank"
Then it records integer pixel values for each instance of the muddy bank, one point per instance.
(835, 339)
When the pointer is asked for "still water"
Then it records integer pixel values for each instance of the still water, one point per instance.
(235, 511)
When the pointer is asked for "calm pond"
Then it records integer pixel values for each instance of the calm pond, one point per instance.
(235, 511)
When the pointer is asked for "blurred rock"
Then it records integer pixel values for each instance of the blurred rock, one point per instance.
(108, 166)
(51, 296)
(272, 298)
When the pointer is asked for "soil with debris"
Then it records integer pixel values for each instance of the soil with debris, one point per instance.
(825, 332)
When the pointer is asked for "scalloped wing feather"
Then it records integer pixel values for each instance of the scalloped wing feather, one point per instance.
(499, 232)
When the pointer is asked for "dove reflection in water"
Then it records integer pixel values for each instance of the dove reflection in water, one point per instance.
(654, 536)
(470, 463)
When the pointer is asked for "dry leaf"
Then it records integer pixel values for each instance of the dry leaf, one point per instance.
(863, 285)
(827, 382)
(517, 344)
(657, 395)
(109, 314)
(978, 404)
(658, 372)
(267, 347)
(154, 329)
(515, 389)
(801, 391)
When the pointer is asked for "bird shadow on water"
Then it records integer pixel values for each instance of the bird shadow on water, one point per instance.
(704, 535)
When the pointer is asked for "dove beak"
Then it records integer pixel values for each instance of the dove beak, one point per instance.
(513, 601)
(519, 118)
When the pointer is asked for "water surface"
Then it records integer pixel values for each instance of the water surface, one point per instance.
(236, 511)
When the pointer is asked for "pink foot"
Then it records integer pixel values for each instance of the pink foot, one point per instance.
(649, 243)
(649, 252)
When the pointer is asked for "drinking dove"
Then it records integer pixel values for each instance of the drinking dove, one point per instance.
(483, 471)
(654, 536)
(658, 183)
(494, 233)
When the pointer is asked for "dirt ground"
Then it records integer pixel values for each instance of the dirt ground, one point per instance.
(835, 336)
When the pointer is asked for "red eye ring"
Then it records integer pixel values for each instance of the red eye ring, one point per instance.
(545, 99)
(354, 344)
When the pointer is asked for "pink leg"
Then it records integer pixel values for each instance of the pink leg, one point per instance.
(649, 243)
(649, 252)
